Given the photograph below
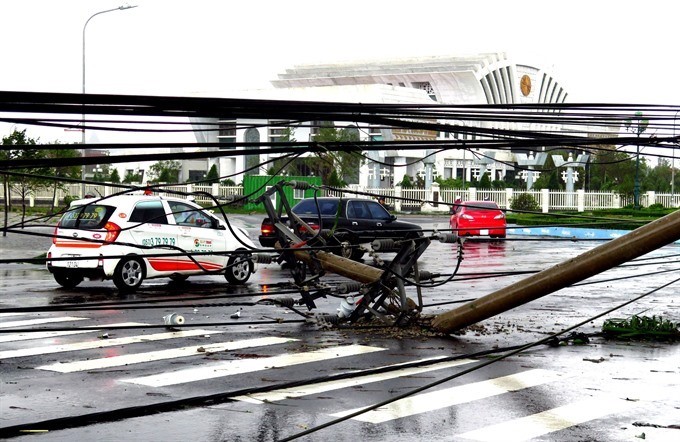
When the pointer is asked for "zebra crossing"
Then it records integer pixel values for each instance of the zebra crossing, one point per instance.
(521, 428)
(448, 397)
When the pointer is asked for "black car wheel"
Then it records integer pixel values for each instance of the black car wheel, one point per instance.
(351, 251)
(179, 278)
(129, 274)
(68, 280)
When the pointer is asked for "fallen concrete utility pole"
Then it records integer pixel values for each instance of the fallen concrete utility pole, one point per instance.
(342, 266)
(378, 289)
(642, 240)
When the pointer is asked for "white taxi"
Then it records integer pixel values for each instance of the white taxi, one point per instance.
(130, 238)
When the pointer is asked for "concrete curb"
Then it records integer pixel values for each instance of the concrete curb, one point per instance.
(568, 232)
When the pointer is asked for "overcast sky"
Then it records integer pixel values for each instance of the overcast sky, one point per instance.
(600, 50)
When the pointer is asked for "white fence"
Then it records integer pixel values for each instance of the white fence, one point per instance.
(398, 198)
(45, 197)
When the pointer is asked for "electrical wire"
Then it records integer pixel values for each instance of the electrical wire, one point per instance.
(473, 368)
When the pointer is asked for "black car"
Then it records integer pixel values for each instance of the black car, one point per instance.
(354, 220)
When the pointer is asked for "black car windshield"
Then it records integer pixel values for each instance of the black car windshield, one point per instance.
(308, 207)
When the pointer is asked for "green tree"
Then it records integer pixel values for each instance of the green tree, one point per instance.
(16, 147)
(345, 164)
(406, 182)
(611, 170)
(213, 176)
(283, 166)
(165, 171)
(131, 177)
(334, 180)
(658, 178)
(114, 177)
(549, 178)
(485, 182)
(72, 172)
(450, 183)
(348, 163)
(499, 184)
(103, 174)
(524, 201)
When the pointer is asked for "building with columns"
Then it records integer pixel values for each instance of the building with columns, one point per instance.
(478, 79)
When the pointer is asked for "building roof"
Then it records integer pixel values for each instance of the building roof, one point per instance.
(475, 79)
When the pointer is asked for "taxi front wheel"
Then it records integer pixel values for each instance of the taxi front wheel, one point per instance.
(239, 269)
(129, 274)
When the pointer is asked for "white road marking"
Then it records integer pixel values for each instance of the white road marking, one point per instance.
(322, 387)
(230, 368)
(14, 337)
(4, 315)
(101, 343)
(137, 358)
(448, 397)
(28, 322)
(548, 421)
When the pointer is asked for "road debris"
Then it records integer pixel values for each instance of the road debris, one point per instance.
(173, 319)
(641, 327)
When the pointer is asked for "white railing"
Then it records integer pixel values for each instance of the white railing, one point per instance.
(601, 200)
(398, 198)
(562, 200)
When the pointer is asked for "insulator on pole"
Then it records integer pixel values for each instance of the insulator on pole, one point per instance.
(384, 245)
(328, 319)
(349, 287)
(300, 185)
(286, 302)
(263, 258)
(448, 237)
(425, 275)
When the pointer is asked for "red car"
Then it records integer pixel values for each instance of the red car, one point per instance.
(478, 218)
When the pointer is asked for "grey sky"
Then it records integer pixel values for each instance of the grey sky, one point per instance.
(601, 51)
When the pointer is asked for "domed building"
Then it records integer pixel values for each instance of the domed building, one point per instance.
(478, 79)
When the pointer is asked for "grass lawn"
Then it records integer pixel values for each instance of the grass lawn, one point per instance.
(619, 219)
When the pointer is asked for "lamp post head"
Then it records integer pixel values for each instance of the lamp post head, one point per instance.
(124, 7)
(641, 125)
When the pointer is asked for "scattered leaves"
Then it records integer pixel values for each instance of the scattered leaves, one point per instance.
(642, 327)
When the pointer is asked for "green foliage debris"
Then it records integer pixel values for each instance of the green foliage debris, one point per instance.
(642, 327)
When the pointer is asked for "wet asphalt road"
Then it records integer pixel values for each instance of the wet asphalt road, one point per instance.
(572, 392)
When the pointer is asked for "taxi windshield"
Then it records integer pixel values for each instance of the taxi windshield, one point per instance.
(91, 216)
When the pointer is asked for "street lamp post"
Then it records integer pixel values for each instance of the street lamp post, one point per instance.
(637, 129)
(636, 186)
(675, 143)
(464, 166)
(463, 137)
(82, 169)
